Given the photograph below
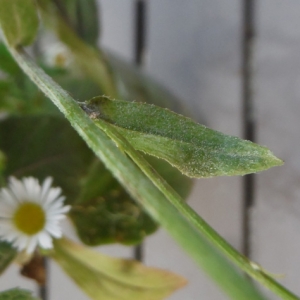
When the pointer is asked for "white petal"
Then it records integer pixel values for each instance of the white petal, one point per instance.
(5, 223)
(54, 230)
(54, 205)
(45, 241)
(7, 197)
(6, 211)
(46, 186)
(17, 188)
(59, 210)
(32, 188)
(52, 195)
(33, 242)
(22, 242)
(57, 218)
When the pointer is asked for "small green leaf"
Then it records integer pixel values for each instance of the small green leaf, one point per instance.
(19, 21)
(104, 277)
(194, 149)
(7, 255)
(16, 294)
(105, 213)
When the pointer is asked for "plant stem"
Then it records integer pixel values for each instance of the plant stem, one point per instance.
(251, 268)
(142, 189)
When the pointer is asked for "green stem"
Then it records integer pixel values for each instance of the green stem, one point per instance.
(251, 268)
(141, 188)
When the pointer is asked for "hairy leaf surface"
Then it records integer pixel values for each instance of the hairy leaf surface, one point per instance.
(194, 149)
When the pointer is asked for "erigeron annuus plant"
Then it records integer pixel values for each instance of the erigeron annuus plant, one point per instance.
(115, 140)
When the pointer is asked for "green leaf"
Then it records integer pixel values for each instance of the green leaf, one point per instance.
(194, 149)
(104, 277)
(19, 21)
(16, 294)
(105, 213)
(7, 255)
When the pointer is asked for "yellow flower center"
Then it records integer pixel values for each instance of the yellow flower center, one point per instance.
(29, 218)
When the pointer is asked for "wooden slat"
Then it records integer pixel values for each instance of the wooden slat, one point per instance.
(194, 49)
(117, 19)
(276, 217)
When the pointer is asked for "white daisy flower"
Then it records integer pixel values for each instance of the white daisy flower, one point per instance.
(30, 213)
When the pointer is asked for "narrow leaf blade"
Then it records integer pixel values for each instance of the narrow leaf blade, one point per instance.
(103, 277)
(194, 149)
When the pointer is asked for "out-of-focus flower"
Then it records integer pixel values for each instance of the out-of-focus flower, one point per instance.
(58, 55)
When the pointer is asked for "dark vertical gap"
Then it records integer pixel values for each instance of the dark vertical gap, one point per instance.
(139, 60)
(43, 291)
(248, 114)
(140, 32)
